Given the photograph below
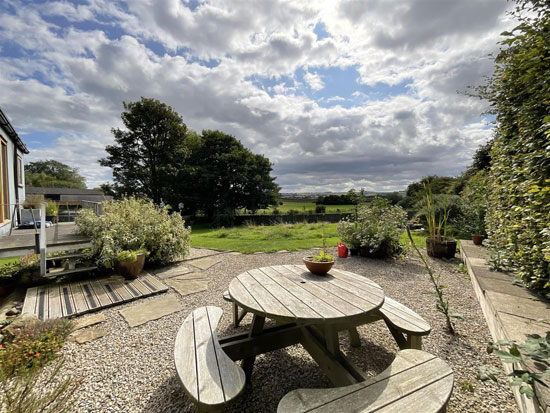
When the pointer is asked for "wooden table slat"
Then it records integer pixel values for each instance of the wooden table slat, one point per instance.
(355, 290)
(341, 304)
(246, 300)
(297, 289)
(293, 304)
(270, 304)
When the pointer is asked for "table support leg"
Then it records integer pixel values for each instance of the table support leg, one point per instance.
(354, 339)
(331, 337)
(256, 328)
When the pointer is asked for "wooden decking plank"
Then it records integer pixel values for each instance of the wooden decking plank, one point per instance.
(132, 289)
(89, 294)
(42, 304)
(67, 302)
(121, 290)
(101, 293)
(55, 302)
(140, 287)
(29, 306)
(111, 292)
(155, 282)
(80, 302)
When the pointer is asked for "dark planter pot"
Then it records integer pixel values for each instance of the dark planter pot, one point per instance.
(441, 249)
(6, 288)
(354, 251)
(318, 268)
(477, 239)
(131, 269)
(364, 251)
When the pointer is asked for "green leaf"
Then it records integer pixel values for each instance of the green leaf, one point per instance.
(506, 357)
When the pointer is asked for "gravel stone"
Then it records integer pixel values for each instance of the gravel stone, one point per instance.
(132, 369)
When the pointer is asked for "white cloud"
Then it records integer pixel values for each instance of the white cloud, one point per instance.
(72, 81)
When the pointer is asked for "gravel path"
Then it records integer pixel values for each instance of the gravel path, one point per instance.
(132, 369)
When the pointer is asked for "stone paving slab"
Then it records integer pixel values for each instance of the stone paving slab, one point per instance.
(172, 271)
(523, 307)
(503, 287)
(186, 286)
(88, 320)
(151, 310)
(201, 252)
(205, 263)
(192, 276)
(87, 335)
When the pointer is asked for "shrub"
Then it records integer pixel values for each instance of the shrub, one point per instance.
(320, 209)
(134, 224)
(275, 211)
(348, 231)
(9, 272)
(379, 227)
(52, 209)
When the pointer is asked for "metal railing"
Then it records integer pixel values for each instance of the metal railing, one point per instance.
(95, 206)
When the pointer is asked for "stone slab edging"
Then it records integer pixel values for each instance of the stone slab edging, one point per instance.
(511, 312)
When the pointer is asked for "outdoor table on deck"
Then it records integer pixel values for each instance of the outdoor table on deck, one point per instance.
(308, 309)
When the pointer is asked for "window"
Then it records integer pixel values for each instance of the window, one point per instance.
(4, 197)
(20, 171)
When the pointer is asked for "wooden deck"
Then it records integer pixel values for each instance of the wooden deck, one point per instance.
(67, 300)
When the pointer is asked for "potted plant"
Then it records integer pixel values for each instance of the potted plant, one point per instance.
(438, 244)
(322, 263)
(52, 210)
(130, 263)
(348, 232)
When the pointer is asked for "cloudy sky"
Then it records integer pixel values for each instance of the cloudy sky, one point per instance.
(336, 94)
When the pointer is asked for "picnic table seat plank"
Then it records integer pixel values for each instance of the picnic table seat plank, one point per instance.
(403, 318)
(208, 375)
(323, 308)
(415, 381)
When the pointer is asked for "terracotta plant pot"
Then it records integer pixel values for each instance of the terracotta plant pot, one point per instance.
(318, 268)
(441, 249)
(477, 239)
(131, 269)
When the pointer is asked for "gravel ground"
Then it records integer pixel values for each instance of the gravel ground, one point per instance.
(132, 369)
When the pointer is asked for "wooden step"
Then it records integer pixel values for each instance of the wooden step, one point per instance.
(67, 256)
(62, 271)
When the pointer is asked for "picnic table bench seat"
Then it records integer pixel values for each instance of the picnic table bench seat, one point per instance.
(416, 381)
(210, 378)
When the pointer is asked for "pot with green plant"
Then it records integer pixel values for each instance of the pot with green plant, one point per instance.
(129, 264)
(438, 244)
(52, 211)
(322, 263)
(348, 232)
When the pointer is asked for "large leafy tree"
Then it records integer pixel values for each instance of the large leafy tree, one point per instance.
(518, 209)
(226, 176)
(148, 152)
(51, 173)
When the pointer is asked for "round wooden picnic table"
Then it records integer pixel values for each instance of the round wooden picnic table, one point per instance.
(290, 293)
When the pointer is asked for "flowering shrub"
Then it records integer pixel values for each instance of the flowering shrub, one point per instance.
(377, 228)
(134, 224)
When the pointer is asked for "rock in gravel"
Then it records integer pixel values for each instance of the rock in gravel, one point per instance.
(88, 320)
(89, 334)
(13, 311)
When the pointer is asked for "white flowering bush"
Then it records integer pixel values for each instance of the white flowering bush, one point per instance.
(347, 230)
(377, 228)
(134, 224)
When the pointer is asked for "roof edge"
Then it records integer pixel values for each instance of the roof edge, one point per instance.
(10, 130)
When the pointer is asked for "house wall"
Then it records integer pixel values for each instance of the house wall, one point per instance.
(5, 228)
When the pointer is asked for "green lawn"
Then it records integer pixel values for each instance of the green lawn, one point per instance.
(4, 261)
(292, 237)
(305, 207)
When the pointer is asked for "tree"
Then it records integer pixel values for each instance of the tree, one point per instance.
(51, 173)
(146, 156)
(518, 213)
(226, 176)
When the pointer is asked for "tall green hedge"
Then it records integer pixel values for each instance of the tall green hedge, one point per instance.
(518, 217)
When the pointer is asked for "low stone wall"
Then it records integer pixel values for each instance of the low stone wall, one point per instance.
(511, 312)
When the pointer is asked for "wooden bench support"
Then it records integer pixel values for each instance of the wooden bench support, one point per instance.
(238, 315)
(210, 378)
(415, 382)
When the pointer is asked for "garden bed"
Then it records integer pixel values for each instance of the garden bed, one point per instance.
(132, 369)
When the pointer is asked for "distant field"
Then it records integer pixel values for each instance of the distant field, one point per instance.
(292, 237)
(304, 207)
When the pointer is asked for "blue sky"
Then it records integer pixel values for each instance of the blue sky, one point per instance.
(336, 94)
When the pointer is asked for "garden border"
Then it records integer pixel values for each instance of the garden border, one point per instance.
(511, 312)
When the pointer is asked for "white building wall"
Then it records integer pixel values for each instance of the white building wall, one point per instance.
(5, 228)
